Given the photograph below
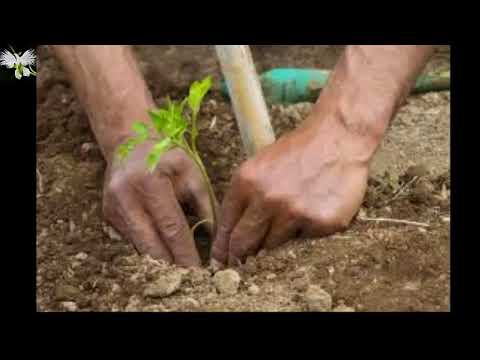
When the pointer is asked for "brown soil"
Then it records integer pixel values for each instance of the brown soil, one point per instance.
(374, 266)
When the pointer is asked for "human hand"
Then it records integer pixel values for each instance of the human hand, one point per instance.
(309, 183)
(146, 208)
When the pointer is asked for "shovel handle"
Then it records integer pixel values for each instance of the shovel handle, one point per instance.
(247, 98)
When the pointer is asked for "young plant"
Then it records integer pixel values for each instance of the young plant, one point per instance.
(171, 124)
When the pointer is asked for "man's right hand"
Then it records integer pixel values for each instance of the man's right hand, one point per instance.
(145, 207)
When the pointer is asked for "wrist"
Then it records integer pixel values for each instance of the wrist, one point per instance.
(365, 90)
(113, 92)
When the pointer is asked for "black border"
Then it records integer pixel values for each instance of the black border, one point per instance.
(20, 97)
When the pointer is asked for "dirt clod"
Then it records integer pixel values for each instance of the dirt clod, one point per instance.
(66, 292)
(164, 286)
(69, 305)
(81, 256)
(271, 276)
(317, 299)
(227, 281)
(253, 289)
(343, 308)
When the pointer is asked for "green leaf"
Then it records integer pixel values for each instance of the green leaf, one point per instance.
(122, 151)
(198, 90)
(141, 130)
(126, 148)
(170, 121)
(176, 124)
(159, 119)
(156, 153)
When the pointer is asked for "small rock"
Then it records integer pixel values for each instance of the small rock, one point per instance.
(112, 234)
(442, 277)
(445, 219)
(362, 213)
(253, 289)
(72, 226)
(416, 171)
(69, 306)
(116, 288)
(343, 308)
(211, 295)
(227, 281)
(66, 292)
(331, 270)
(81, 256)
(300, 284)
(164, 286)
(317, 299)
(213, 123)
(411, 286)
(292, 255)
(154, 308)
(192, 302)
(89, 149)
(271, 276)
(133, 304)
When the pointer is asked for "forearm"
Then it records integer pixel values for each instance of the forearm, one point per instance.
(368, 85)
(111, 88)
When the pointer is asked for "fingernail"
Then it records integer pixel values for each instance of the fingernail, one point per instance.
(215, 265)
(234, 262)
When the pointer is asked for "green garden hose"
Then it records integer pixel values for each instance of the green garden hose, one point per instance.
(290, 86)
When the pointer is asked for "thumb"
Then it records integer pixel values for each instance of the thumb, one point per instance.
(234, 204)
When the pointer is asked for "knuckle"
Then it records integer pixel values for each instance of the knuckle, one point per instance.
(273, 200)
(246, 175)
(327, 216)
(115, 185)
(171, 228)
(332, 219)
(295, 209)
(196, 187)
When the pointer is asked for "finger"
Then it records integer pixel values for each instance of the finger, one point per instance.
(249, 233)
(162, 204)
(233, 206)
(131, 220)
(282, 230)
(200, 200)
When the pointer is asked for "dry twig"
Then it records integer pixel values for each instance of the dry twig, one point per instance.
(40, 182)
(396, 221)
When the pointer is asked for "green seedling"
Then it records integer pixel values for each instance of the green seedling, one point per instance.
(174, 126)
